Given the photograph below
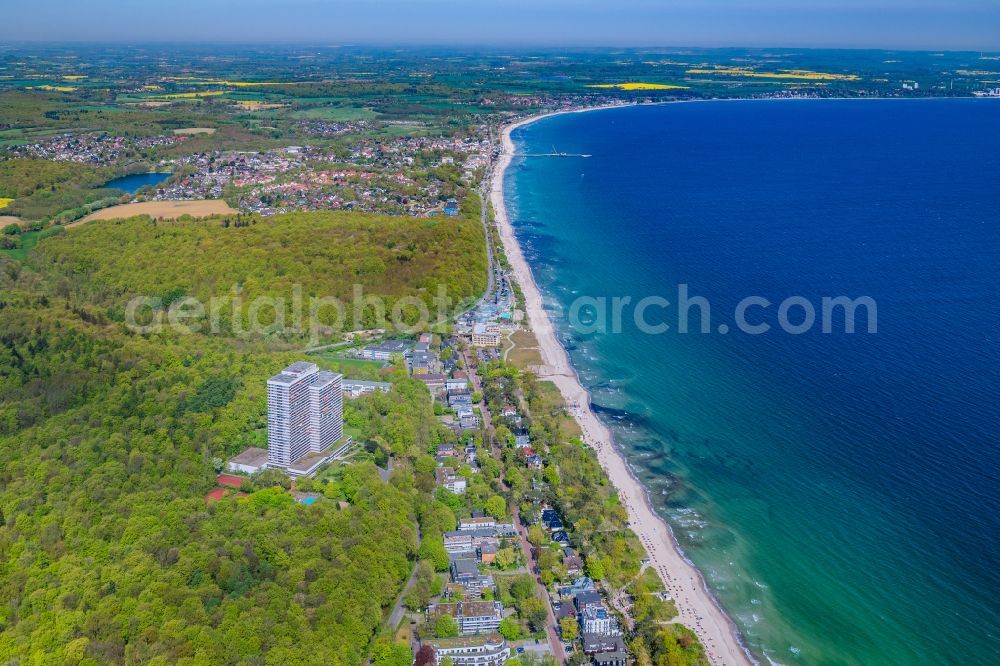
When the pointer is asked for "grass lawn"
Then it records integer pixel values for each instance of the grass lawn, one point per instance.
(29, 239)
(525, 351)
(551, 397)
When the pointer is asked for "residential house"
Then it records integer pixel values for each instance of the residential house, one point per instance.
(459, 397)
(597, 643)
(551, 520)
(467, 418)
(473, 617)
(459, 381)
(616, 658)
(354, 388)
(434, 382)
(534, 461)
(597, 620)
(465, 572)
(589, 599)
(581, 584)
(447, 450)
(383, 351)
(573, 564)
(522, 438)
(488, 553)
(487, 650)
(468, 541)
(446, 478)
(422, 363)
(477, 523)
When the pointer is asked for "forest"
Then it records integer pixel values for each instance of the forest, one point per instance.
(109, 440)
(322, 254)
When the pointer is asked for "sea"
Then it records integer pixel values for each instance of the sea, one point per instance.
(134, 182)
(839, 490)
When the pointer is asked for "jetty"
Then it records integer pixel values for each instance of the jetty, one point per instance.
(551, 155)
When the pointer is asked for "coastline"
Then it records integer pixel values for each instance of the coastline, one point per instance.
(699, 610)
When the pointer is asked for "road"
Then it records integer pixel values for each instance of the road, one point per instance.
(397, 611)
(477, 385)
(491, 281)
(550, 623)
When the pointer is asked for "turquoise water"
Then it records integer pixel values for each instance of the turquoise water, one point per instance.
(840, 491)
(136, 181)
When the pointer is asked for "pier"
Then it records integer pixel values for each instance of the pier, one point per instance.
(551, 155)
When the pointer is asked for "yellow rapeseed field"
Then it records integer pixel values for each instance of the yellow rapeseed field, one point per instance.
(636, 86)
(203, 93)
(191, 81)
(803, 74)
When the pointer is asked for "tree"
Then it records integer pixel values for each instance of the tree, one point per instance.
(432, 548)
(509, 629)
(568, 629)
(445, 626)
(536, 536)
(595, 569)
(425, 656)
(506, 558)
(534, 611)
(522, 588)
(385, 653)
(496, 507)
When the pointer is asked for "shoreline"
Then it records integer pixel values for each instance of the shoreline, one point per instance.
(698, 608)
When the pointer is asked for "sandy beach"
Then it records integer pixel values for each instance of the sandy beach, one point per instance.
(698, 608)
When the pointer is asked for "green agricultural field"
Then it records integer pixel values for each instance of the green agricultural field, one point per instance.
(336, 113)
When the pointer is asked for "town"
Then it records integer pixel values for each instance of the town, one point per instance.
(509, 584)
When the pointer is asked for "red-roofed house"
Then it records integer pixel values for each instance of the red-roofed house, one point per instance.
(229, 480)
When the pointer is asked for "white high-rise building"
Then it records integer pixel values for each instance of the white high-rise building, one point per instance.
(304, 412)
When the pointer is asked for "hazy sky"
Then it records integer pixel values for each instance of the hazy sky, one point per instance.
(916, 24)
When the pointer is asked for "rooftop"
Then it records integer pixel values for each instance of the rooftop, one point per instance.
(465, 641)
(325, 378)
(365, 383)
(293, 372)
(254, 456)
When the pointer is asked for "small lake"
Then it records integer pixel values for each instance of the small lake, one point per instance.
(134, 182)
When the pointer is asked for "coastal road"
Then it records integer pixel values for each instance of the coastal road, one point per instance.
(491, 281)
(550, 623)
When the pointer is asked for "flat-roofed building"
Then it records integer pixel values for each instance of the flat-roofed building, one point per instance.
(488, 650)
(354, 388)
(304, 413)
(486, 335)
(250, 461)
(481, 522)
(383, 351)
(473, 617)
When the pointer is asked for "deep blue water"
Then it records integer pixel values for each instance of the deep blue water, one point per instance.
(840, 491)
(136, 181)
